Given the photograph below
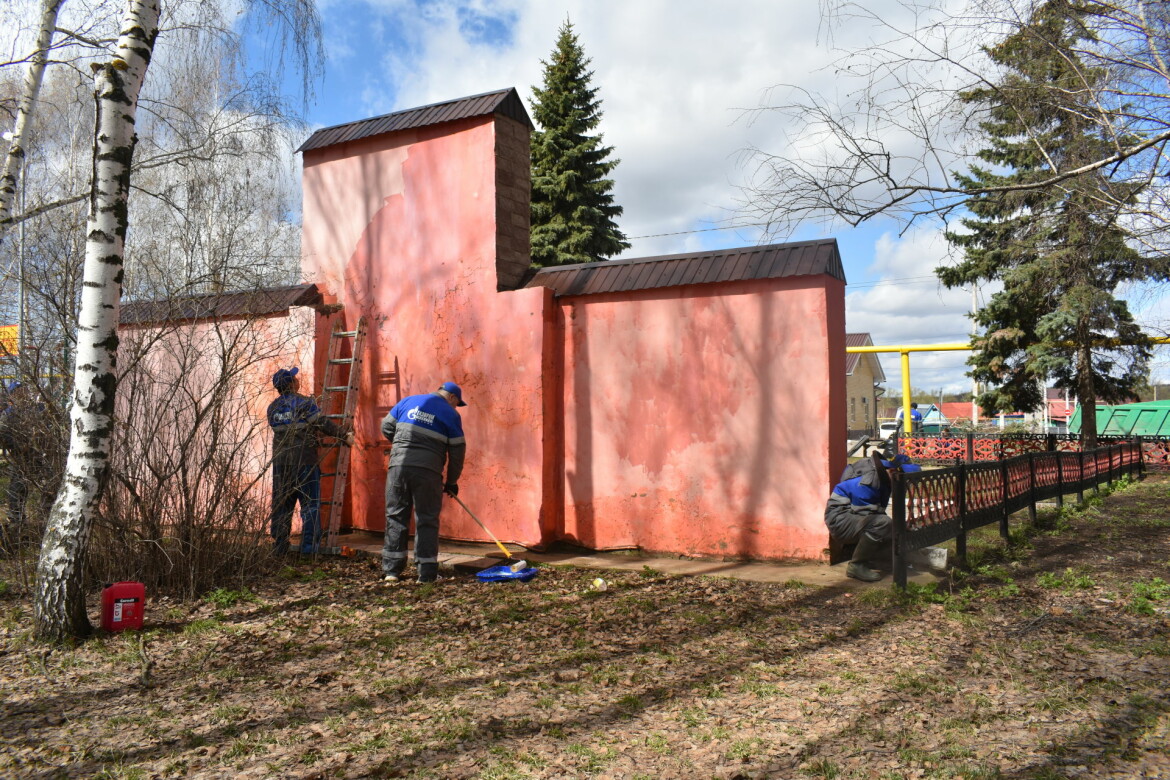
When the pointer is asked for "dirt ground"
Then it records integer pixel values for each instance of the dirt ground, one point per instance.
(1049, 659)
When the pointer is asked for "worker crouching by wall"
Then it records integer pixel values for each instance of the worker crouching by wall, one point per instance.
(856, 511)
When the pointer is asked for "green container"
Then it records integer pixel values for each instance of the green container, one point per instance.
(1149, 418)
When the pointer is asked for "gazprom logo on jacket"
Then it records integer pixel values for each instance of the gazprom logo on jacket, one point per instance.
(417, 415)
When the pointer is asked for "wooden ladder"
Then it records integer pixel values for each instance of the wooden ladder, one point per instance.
(342, 374)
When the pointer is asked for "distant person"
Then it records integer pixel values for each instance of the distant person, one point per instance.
(27, 430)
(296, 471)
(915, 418)
(856, 511)
(426, 434)
(15, 428)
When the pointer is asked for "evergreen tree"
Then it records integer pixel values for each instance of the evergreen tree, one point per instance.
(572, 199)
(1059, 251)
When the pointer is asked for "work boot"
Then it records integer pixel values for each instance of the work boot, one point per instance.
(858, 567)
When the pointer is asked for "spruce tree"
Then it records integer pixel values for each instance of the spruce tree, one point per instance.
(572, 199)
(1060, 251)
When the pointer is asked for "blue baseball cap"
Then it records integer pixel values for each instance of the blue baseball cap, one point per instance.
(284, 377)
(454, 390)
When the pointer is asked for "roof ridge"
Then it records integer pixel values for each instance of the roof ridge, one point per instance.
(499, 102)
(257, 291)
(821, 257)
(687, 255)
(504, 91)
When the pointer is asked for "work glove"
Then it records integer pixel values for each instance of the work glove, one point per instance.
(451, 489)
(349, 439)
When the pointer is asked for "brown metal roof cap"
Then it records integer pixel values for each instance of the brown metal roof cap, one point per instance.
(504, 102)
(253, 303)
(772, 261)
(858, 340)
(853, 358)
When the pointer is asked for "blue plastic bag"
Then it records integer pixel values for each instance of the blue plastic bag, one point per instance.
(505, 573)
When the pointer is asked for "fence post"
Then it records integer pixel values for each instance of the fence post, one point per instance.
(1081, 473)
(970, 446)
(898, 499)
(1096, 471)
(1051, 442)
(1032, 488)
(1059, 481)
(1004, 488)
(1141, 453)
(961, 503)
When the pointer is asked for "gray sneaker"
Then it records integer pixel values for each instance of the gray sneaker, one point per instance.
(391, 579)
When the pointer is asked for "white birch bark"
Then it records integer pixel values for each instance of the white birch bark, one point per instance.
(29, 93)
(59, 601)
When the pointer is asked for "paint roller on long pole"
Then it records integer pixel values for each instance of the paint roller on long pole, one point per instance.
(514, 564)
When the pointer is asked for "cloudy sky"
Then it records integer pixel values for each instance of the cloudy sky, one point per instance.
(680, 82)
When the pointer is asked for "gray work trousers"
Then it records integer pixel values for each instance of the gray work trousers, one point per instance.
(847, 523)
(422, 489)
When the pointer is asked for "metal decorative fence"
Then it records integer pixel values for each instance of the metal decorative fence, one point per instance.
(929, 507)
(946, 448)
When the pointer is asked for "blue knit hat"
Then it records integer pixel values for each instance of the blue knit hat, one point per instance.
(283, 378)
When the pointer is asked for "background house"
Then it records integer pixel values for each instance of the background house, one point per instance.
(863, 374)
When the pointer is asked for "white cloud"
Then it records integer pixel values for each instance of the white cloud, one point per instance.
(906, 304)
(675, 78)
(679, 81)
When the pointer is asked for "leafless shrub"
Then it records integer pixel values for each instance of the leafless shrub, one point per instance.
(187, 499)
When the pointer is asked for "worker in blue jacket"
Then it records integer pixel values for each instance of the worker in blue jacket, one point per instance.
(856, 510)
(426, 435)
(297, 424)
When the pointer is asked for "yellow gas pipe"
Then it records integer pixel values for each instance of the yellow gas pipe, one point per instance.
(906, 349)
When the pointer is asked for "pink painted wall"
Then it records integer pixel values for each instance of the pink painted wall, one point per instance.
(691, 420)
(403, 229)
(709, 432)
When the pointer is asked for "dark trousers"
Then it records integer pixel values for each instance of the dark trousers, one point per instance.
(291, 484)
(847, 524)
(13, 529)
(422, 489)
(17, 496)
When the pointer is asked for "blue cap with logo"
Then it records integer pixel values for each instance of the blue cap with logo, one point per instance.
(454, 390)
(283, 378)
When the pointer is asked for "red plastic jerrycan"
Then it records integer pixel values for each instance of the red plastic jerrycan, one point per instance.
(123, 605)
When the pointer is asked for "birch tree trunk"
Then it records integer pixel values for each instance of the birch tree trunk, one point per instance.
(59, 601)
(33, 77)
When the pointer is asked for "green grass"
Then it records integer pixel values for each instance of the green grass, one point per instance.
(1144, 594)
(745, 749)
(1069, 580)
(225, 599)
(201, 626)
(823, 768)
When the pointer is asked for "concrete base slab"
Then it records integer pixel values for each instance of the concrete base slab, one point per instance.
(469, 558)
